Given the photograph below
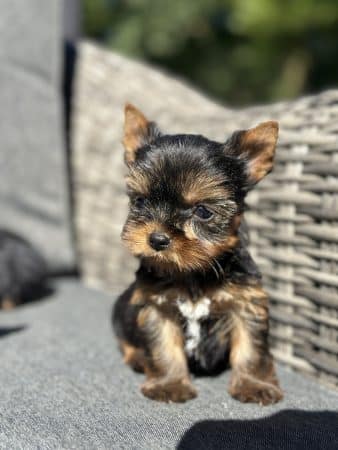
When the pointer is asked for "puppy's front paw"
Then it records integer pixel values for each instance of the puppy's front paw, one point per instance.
(177, 391)
(251, 390)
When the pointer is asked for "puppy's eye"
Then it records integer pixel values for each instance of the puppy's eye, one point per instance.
(139, 202)
(203, 213)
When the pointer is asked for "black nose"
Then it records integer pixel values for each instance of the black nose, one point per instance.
(159, 241)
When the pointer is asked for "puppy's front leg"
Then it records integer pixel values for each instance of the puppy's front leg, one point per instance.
(254, 378)
(166, 367)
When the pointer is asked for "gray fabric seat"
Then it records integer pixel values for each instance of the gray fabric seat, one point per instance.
(64, 386)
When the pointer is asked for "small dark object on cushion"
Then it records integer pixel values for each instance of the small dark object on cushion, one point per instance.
(23, 271)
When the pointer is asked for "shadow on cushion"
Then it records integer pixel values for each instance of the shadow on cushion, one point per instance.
(288, 429)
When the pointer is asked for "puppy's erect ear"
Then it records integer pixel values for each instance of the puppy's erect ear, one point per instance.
(138, 131)
(257, 147)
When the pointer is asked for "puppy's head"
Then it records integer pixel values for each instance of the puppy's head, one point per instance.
(187, 192)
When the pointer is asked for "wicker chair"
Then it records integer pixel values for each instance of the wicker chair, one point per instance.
(293, 214)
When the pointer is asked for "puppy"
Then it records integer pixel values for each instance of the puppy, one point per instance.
(197, 302)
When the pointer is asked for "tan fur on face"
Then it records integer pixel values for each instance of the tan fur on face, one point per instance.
(215, 249)
(194, 189)
(186, 252)
(182, 254)
(136, 235)
(200, 188)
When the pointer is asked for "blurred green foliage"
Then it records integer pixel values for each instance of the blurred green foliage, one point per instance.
(238, 51)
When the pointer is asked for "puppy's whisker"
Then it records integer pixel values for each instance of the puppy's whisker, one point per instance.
(211, 265)
(219, 266)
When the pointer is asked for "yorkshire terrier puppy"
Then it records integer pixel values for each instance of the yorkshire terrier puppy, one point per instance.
(23, 271)
(197, 302)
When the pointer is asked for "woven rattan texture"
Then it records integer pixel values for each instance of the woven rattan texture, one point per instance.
(293, 213)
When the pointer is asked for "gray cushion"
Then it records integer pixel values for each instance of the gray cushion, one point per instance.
(63, 384)
(33, 184)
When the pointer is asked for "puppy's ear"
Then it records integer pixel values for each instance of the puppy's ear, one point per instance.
(138, 131)
(256, 147)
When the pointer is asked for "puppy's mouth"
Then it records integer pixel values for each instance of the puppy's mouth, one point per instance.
(165, 256)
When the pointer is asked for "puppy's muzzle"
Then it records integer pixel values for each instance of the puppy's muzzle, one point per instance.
(159, 241)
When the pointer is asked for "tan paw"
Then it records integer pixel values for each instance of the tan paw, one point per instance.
(251, 390)
(169, 391)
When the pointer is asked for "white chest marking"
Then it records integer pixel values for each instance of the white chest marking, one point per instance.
(193, 313)
(160, 299)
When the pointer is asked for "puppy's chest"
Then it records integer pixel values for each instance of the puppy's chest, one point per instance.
(192, 315)
(197, 316)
